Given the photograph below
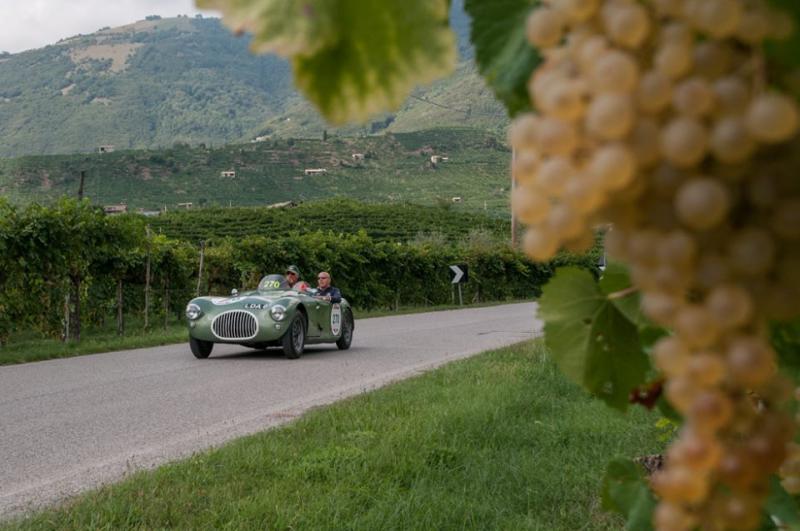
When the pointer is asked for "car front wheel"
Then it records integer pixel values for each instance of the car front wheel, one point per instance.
(294, 339)
(201, 349)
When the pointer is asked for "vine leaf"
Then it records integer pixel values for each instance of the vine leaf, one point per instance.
(504, 57)
(786, 52)
(616, 280)
(782, 505)
(351, 58)
(625, 491)
(593, 342)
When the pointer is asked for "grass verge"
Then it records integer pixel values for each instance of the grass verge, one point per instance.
(37, 349)
(498, 441)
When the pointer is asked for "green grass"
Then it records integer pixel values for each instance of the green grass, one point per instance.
(498, 441)
(34, 348)
(37, 349)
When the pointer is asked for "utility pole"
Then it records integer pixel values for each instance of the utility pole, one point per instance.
(80, 188)
(147, 282)
(200, 268)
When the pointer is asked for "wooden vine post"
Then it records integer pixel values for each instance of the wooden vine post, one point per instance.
(120, 319)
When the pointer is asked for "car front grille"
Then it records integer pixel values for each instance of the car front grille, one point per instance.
(235, 325)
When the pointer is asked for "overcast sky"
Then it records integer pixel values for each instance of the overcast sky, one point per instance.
(26, 24)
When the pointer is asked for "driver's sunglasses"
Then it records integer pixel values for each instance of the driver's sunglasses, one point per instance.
(291, 273)
(322, 278)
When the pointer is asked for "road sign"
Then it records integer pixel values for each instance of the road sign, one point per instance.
(459, 274)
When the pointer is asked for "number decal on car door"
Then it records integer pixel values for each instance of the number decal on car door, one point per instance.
(336, 319)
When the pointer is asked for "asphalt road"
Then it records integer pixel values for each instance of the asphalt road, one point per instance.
(72, 424)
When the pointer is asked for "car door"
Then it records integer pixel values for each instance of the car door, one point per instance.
(319, 315)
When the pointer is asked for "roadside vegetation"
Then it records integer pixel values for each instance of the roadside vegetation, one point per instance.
(498, 441)
(381, 222)
(68, 269)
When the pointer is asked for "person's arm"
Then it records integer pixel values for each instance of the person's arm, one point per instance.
(336, 296)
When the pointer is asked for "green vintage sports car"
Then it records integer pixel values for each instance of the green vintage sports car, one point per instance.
(272, 315)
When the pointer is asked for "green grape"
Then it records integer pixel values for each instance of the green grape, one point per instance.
(731, 305)
(751, 251)
(693, 97)
(613, 165)
(702, 203)
(730, 140)
(614, 71)
(626, 24)
(545, 27)
(696, 326)
(654, 92)
(540, 244)
(750, 361)
(772, 118)
(717, 18)
(610, 116)
(673, 59)
(684, 142)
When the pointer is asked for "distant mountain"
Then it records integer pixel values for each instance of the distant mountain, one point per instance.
(161, 82)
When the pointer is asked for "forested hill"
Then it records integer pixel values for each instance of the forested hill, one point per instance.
(158, 82)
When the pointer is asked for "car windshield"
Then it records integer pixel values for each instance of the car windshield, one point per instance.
(273, 283)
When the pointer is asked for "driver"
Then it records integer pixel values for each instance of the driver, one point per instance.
(293, 278)
(326, 291)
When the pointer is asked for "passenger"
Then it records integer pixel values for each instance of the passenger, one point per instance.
(293, 278)
(326, 291)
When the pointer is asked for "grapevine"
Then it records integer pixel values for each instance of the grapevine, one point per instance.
(657, 119)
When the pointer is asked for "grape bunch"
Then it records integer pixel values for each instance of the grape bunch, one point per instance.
(656, 118)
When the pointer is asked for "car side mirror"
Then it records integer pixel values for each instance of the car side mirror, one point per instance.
(234, 292)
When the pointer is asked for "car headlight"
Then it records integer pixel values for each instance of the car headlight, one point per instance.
(193, 312)
(278, 312)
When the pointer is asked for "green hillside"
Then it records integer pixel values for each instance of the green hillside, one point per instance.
(400, 222)
(158, 82)
(396, 168)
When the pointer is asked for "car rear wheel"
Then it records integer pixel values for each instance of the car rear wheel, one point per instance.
(294, 339)
(201, 349)
(347, 332)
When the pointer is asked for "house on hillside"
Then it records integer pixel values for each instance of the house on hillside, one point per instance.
(457, 199)
(108, 148)
(115, 209)
(436, 159)
(285, 204)
(185, 205)
(358, 157)
(315, 171)
(229, 173)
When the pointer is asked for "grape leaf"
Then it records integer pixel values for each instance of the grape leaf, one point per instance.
(786, 52)
(593, 342)
(616, 283)
(782, 505)
(351, 58)
(625, 491)
(504, 57)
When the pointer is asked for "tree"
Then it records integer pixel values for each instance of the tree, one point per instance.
(655, 118)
